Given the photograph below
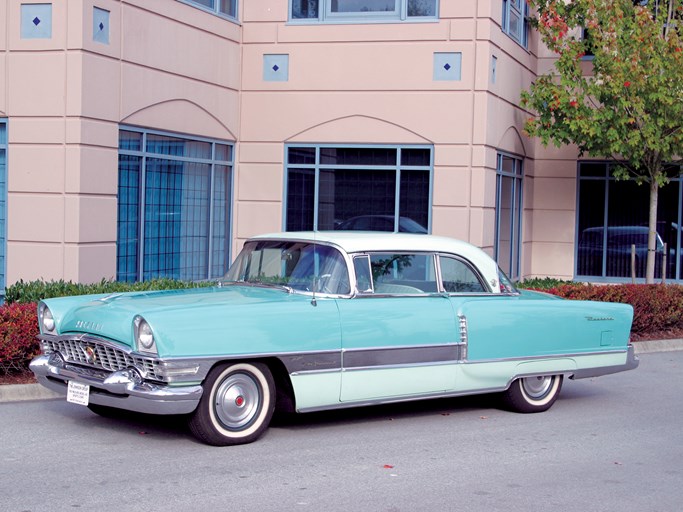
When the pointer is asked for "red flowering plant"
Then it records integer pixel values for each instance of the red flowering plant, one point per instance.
(18, 342)
(626, 101)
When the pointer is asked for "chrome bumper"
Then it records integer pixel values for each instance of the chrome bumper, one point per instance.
(631, 363)
(123, 389)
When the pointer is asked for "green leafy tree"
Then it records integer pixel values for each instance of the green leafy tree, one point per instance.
(627, 102)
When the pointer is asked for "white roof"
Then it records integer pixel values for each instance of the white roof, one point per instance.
(377, 241)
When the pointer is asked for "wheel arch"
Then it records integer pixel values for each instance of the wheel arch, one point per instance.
(285, 400)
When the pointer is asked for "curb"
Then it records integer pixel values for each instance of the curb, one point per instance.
(644, 347)
(26, 392)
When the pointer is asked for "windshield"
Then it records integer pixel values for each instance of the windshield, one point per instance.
(300, 266)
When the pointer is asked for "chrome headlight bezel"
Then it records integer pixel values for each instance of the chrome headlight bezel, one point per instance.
(46, 320)
(144, 336)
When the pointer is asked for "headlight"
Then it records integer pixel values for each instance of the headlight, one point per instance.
(47, 321)
(144, 337)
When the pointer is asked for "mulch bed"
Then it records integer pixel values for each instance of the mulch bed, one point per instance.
(18, 378)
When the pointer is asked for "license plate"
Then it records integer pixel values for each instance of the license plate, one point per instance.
(78, 393)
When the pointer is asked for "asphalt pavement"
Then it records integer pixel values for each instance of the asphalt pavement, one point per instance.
(23, 392)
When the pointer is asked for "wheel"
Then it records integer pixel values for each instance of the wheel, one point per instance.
(533, 394)
(236, 406)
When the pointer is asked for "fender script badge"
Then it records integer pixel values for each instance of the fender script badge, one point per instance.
(599, 319)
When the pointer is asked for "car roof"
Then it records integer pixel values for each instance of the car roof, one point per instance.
(377, 241)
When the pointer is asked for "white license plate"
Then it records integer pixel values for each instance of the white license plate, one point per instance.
(78, 393)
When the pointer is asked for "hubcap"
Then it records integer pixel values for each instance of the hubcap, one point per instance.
(237, 401)
(537, 387)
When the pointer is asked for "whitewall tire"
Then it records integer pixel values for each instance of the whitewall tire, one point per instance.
(533, 394)
(237, 404)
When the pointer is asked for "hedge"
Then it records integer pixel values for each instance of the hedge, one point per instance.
(33, 291)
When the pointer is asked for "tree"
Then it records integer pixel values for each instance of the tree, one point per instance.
(629, 106)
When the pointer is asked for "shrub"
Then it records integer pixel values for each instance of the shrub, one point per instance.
(18, 342)
(33, 291)
(543, 283)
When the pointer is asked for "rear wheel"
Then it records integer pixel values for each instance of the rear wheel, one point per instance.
(237, 404)
(533, 394)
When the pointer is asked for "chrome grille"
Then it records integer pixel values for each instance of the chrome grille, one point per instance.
(94, 353)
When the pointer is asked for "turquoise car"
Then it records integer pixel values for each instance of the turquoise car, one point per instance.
(323, 320)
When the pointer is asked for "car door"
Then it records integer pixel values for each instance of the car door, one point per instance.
(399, 334)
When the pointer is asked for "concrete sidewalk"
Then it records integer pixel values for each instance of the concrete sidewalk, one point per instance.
(22, 392)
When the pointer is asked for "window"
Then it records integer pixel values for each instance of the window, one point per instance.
(362, 10)
(224, 7)
(515, 22)
(458, 277)
(3, 205)
(509, 214)
(613, 221)
(173, 206)
(588, 44)
(406, 274)
(358, 188)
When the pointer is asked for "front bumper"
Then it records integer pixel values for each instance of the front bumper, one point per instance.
(122, 389)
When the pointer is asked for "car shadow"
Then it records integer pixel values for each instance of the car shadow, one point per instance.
(384, 412)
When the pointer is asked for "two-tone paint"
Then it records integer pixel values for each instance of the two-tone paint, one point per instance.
(334, 350)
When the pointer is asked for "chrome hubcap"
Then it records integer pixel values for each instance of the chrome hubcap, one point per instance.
(537, 387)
(237, 401)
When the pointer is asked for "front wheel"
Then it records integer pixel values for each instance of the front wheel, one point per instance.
(236, 406)
(533, 394)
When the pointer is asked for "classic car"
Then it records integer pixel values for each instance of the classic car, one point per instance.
(322, 320)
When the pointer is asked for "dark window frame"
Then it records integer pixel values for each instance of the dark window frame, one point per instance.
(311, 160)
(210, 217)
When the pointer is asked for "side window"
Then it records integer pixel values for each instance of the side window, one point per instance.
(361, 266)
(458, 277)
(405, 274)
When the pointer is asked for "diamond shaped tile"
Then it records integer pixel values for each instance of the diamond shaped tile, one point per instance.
(36, 21)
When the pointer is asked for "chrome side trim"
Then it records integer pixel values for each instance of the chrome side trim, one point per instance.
(631, 363)
(464, 335)
(312, 362)
(547, 356)
(400, 356)
(399, 366)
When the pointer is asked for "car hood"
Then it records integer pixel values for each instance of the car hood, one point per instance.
(177, 317)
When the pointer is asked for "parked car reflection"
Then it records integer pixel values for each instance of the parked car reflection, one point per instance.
(380, 223)
(617, 252)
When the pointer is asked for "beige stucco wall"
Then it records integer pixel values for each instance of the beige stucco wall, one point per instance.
(373, 83)
(173, 67)
(167, 66)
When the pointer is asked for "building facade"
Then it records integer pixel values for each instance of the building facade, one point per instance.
(145, 138)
